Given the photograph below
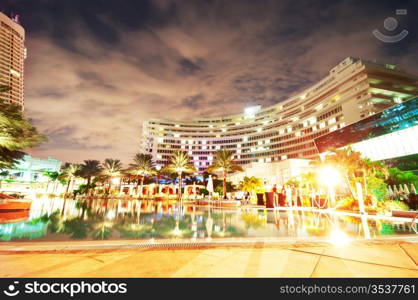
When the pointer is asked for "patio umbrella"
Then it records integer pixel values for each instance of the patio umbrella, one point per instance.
(209, 186)
(389, 192)
(413, 190)
(395, 190)
(405, 188)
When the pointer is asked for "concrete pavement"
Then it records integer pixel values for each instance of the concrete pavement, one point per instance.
(388, 258)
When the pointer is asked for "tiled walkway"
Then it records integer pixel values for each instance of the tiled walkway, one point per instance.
(357, 259)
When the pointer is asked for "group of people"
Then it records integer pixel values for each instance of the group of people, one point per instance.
(281, 194)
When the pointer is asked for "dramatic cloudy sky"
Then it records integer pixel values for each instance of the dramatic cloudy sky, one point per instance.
(97, 69)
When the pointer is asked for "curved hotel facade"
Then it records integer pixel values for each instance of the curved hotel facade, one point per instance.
(353, 90)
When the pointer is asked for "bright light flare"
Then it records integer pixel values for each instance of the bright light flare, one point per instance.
(177, 232)
(115, 180)
(338, 238)
(111, 214)
(329, 176)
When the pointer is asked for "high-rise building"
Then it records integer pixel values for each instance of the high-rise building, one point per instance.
(12, 57)
(353, 90)
(390, 134)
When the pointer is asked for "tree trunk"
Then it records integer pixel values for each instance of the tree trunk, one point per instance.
(347, 178)
(365, 182)
(224, 185)
(180, 187)
(65, 197)
(142, 185)
(47, 186)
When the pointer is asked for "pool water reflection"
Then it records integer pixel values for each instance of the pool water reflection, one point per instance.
(134, 219)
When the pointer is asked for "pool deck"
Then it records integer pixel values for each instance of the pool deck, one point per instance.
(217, 258)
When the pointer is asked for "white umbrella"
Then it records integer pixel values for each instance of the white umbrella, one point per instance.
(405, 188)
(401, 189)
(395, 190)
(413, 190)
(209, 186)
(389, 192)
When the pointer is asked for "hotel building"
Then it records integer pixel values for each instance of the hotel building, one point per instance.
(390, 134)
(12, 57)
(353, 90)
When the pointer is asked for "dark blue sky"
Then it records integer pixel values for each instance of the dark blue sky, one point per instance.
(97, 69)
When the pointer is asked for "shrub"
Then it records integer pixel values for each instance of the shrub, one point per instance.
(390, 205)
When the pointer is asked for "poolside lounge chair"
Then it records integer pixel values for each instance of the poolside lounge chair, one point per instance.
(407, 214)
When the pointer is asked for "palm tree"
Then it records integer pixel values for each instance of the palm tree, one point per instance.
(179, 164)
(224, 162)
(70, 172)
(112, 168)
(90, 169)
(142, 166)
(16, 132)
(52, 177)
(251, 184)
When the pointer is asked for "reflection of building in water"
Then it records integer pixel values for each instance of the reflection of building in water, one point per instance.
(33, 169)
(274, 173)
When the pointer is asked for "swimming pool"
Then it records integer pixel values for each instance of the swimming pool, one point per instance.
(116, 219)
